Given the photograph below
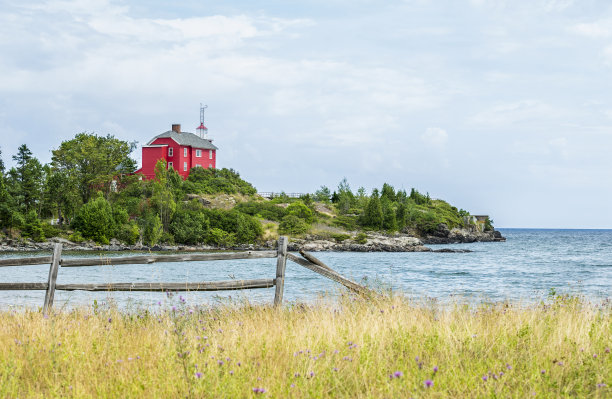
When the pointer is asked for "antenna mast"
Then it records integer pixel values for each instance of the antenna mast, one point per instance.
(202, 130)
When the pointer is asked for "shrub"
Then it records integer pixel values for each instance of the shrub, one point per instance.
(292, 224)
(189, 227)
(95, 220)
(151, 228)
(213, 181)
(128, 233)
(300, 210)
(50, 230)
(76, 237)
(339, 237)
(246, 228)
(33, 227)
(220, 238)
(266, 210)
(361, 238)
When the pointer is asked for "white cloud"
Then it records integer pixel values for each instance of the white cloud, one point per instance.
(435, 137)
(594, 30)
(513, 113)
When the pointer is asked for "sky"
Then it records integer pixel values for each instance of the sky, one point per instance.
(500, 107)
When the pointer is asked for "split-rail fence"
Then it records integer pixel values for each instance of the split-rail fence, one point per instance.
(56, 261)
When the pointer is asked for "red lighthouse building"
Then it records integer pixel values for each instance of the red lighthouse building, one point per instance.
(181, 151)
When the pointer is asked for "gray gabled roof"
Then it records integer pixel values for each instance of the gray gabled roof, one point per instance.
(185, 138)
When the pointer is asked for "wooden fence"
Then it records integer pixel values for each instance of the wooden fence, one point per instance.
(281, 255)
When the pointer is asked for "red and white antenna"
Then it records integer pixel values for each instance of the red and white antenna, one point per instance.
(202, 130)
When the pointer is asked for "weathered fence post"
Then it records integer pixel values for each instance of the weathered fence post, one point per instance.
(55, 260)
(281, 263)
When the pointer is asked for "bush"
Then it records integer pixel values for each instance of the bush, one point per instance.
(213, 181)
(300, 210)
(33, 227)
(339, 237)
(221, 238)
(292, 224)
(76, 237)
(246, 228)
(189, 227)
(151, 228)
(128, 233)
(265, 210)
(346, 222)
(50, 230)
(95, 220)
(361, 238)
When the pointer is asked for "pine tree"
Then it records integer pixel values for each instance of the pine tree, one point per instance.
(389, 220)
(373, 216)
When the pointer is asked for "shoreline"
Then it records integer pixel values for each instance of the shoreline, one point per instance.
(376, 242)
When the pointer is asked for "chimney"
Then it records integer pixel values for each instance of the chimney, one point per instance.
(176, 127)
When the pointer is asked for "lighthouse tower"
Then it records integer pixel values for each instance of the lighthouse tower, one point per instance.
(202, 130)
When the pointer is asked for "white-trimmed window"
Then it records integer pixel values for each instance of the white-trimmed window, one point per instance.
(185, 151)
(198, 165)
(185, 166)
(209, 154)
(209, 166)
(170, 165)
(198, 153)
(170, 151)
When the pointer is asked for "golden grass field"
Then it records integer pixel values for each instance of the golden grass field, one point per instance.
(346, 348)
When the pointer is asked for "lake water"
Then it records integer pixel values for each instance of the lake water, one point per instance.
(523, 269)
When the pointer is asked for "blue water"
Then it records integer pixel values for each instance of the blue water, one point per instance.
(523, 269)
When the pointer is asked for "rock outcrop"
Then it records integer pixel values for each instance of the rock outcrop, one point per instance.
(443, 235)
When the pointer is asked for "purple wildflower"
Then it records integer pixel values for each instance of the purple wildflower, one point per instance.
(110, 319)
(220, 362)
(508, 366)
(601, 385)
(428, 383)
(485, 378)
(259, 390)
(198, 374)
(398, 374)
(335, 369)
(231, 372)
(607, 350)
(542, 371)
(595, 356)
(435, 369)
(311, 374)
(296, 375)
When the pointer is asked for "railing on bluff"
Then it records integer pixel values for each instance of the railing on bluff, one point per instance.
(271, 195)
(281, 255)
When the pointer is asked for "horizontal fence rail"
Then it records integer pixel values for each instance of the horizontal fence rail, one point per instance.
(147, 259)
(308, 261)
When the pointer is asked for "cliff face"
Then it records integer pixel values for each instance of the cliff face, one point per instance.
(445, 236)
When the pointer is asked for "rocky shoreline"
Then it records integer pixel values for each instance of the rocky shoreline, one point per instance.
(375, 242)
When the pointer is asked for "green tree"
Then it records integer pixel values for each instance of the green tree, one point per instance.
(61, 195)
(299, 209)
(33, 227)
(292, 224)
(388, 192)
(401, 215)
(323, 194)
(373, 215)
(26, 179)
(95, 220)
(151, 228)
(189, 227)
(94, 161)
(163, 198)
(346, 198)
(389, 219)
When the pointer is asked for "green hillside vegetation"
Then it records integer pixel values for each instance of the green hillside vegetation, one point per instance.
(90, 188)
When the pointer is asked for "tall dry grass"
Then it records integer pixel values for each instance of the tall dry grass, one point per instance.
(352, 348)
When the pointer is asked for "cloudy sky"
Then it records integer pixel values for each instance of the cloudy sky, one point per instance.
(500, 107)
